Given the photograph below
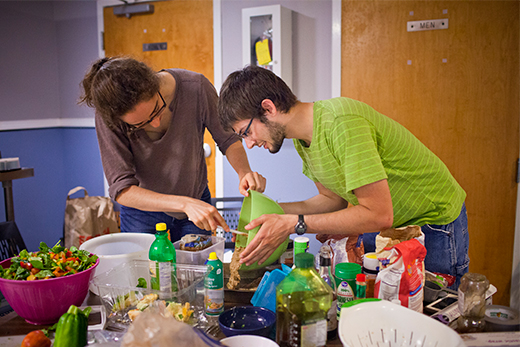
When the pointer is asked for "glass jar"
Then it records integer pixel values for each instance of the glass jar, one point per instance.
(472, 302)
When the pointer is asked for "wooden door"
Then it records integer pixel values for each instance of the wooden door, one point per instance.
(457, 90)
(187, 29)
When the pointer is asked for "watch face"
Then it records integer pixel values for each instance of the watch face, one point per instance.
(300, 228)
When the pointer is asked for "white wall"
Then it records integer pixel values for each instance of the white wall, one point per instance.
(312, 59)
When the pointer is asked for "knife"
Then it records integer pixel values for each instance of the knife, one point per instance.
(219, 228)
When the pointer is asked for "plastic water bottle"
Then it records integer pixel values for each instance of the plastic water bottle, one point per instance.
(214, 286)
(162, 261)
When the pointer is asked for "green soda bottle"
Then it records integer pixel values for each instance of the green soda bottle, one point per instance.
(162, 261)
(303, 300)
(214, 286)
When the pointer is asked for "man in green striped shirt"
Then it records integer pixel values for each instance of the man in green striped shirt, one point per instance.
(354, 155)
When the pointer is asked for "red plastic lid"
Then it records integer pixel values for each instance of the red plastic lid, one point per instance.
(361, 277)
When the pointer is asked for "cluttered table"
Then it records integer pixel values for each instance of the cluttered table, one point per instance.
(13, 328)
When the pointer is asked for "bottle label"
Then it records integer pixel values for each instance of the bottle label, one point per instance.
(161, 275)
(214, 279)
(314, 334)
(214, 301)
(345, 294)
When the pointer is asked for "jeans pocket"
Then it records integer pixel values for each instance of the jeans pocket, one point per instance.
(440, 247)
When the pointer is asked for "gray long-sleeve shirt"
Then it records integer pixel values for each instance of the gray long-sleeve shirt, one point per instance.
(175, 163)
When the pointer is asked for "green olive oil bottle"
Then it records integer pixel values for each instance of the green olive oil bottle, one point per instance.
(303, 300)
(162, 261)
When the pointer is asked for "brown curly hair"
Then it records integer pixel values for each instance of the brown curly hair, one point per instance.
(115, 85)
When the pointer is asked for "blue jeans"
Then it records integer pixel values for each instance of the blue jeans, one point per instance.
(446, 245)
(137, 221)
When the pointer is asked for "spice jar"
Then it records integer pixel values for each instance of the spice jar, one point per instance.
(472, 302)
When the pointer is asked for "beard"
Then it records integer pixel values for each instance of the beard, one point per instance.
(277, 134)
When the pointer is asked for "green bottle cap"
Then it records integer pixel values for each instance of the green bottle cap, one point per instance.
(160, 226)
(347, 270)
(304, 260)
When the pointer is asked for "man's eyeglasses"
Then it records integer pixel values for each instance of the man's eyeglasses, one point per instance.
(134, 127)
(244, 133)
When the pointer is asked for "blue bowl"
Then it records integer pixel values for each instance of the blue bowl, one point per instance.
(247, 320)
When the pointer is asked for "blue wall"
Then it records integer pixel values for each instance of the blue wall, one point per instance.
(62, 158)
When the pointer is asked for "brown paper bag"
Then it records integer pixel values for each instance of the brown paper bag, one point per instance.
(88, 217)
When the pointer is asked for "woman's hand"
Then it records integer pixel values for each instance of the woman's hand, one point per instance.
(204, 215)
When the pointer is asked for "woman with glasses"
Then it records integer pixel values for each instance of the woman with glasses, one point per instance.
(150, 128)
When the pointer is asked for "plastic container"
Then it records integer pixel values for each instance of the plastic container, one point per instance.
(301, 244)
(200, 257)
(472, 303)
(374, 322)
(43, 302)
(123, 279)
(265, 294)
(214, 286)
(303, 300)
(116, 249)
(162, 261)
(346, 283)
(370, 269)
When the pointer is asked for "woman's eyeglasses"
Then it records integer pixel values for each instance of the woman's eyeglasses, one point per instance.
(132, 128)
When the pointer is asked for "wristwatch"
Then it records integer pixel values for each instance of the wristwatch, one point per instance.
(300, 227)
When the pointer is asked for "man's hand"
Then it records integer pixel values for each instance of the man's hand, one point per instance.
(273, 232)
(204, 215)
(251, 180)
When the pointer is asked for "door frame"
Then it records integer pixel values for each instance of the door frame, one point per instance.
(217, 71)
(336, 92)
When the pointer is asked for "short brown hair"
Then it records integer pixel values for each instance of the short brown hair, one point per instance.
(244, 90)
(115, 85)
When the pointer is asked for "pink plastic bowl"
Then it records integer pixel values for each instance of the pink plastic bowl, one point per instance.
(43, 302)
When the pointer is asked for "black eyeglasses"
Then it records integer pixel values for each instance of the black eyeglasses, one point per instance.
(244, 133)
(134, 127)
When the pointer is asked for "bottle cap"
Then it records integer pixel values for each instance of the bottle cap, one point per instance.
(361, 277)
(160, 226)
(347, 270)
(213, 256)
(370, 261)
(304, 260)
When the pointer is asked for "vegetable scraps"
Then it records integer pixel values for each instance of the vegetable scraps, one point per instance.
(48, 262)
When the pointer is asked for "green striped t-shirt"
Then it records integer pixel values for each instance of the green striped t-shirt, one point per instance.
(353, 145)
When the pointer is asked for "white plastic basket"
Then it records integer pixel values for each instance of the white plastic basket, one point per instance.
(385, 324)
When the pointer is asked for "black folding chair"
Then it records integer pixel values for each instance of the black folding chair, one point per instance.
(229, 208)
(11, 243)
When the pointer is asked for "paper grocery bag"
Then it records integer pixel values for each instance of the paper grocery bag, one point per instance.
(88, 217)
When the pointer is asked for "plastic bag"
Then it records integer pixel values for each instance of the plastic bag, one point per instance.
(402, 275)
(344, 249)
(151, 328)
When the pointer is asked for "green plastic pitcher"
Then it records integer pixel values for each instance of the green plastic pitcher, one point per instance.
(254, 206)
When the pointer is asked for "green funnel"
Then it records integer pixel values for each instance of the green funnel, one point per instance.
(254, 206)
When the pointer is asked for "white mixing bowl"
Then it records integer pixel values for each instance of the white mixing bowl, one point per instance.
(116, 249)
